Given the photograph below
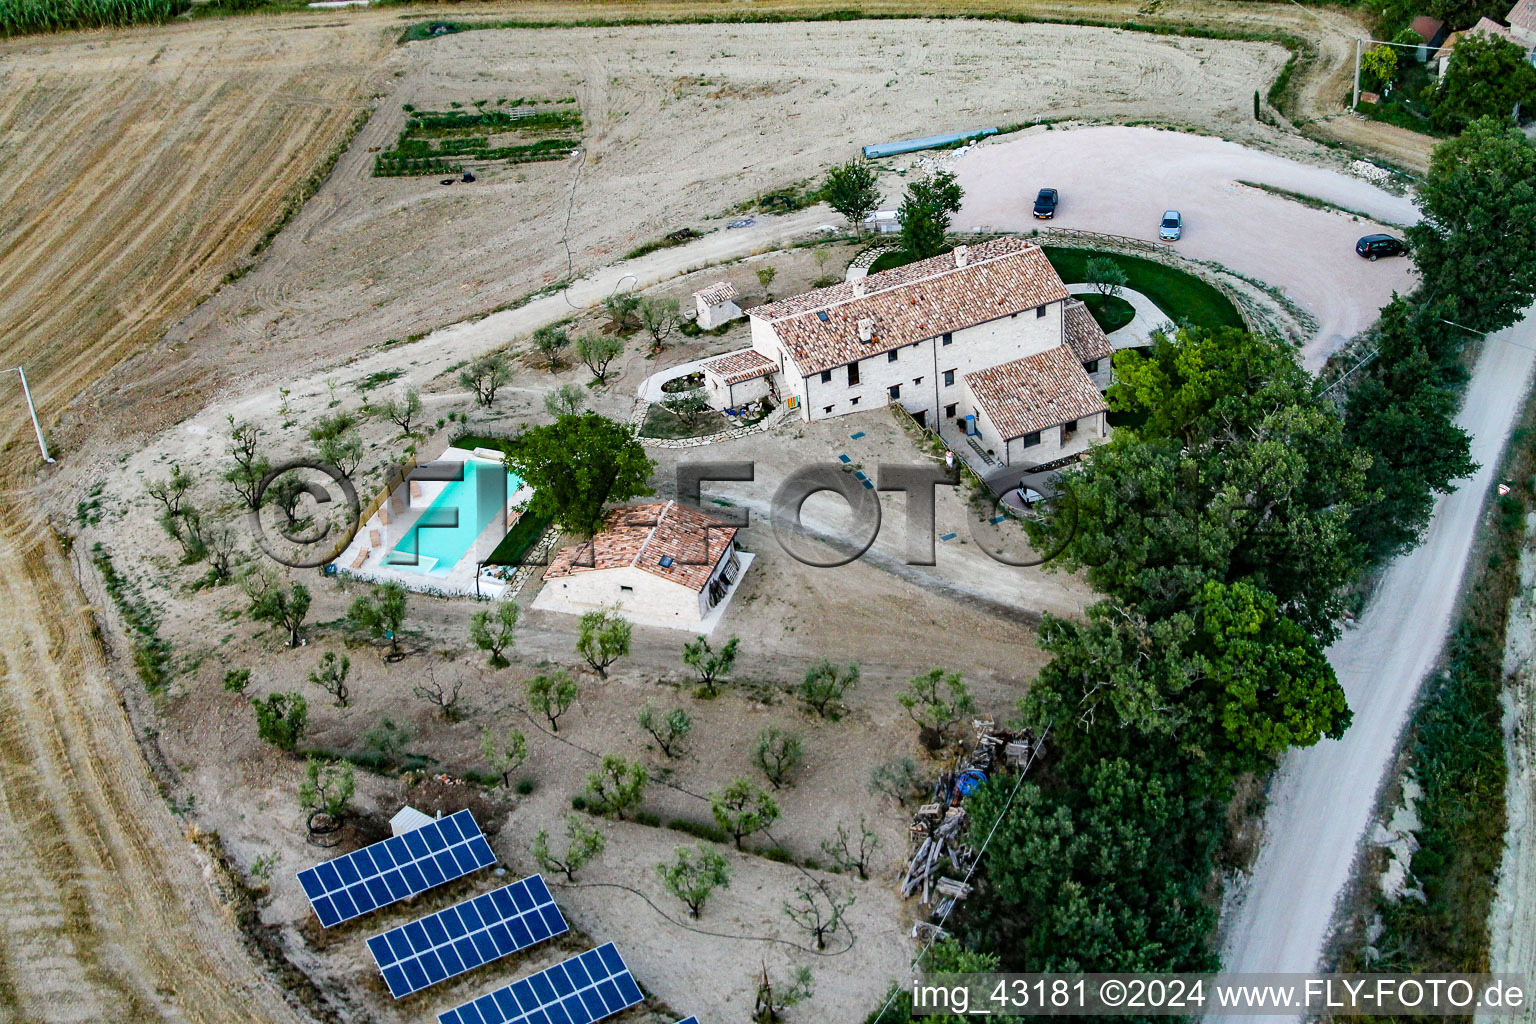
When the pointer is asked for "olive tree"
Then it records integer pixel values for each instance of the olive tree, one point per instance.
(617, 786)
(692, 875)
(742, 809)
(331, 676)
(780, 754)
(669, 730)
(551, 695)
(603, 637)
(494, 631)
(583, 844)
(504, 755)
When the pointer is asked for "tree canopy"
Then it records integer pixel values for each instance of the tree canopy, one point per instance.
(925, 212)
(1240, 472)
(578, 465)
(850, 189)
(1487, 77)
(1473, 246)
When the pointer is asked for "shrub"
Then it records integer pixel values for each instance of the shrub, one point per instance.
(281, 719)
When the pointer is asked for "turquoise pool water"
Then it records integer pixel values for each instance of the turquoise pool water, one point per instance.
(448, 528)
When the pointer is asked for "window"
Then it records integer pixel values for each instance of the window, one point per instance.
(826, 376)
(1039, 312)
(894, 390)
(1030, 439)
(853, 401)
(949, 378)
(853, 374)
(890, 356)
(626, 590)
(949, 411)
(1069, 426)
(948, 337)
(827, 409)
(821, 315)
(1091, 366)
(917, 381)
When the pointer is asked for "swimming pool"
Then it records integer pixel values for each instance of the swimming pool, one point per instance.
(456, 518)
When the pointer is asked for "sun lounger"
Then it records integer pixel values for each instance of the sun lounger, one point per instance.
(384, 514)
(415, 491)
(362, 556)
(373, 538)
(398, 505)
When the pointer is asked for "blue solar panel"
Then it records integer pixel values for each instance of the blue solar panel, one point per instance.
(367, 879)
(581, 990)
(466, 935)
(689, 1020)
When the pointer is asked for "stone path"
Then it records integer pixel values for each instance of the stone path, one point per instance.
(1137, 333)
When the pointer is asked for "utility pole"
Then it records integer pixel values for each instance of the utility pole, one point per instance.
(1359, 41)
(37, 427)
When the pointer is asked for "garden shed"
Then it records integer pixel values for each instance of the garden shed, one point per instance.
(738, 378)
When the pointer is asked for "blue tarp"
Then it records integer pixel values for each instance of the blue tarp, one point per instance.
(931, 142)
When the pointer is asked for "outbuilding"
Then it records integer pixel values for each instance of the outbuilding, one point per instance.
(715, 305)
(660, 563)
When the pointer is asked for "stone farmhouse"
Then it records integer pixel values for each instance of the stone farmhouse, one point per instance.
(983, 345)
(661, 563)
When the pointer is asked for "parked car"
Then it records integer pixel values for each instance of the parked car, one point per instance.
(1045, 204)
(1172, 228)
(1373, 247)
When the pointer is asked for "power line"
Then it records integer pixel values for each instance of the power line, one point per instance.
(1023, 773)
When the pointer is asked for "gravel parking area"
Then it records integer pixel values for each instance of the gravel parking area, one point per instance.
(1119, 181)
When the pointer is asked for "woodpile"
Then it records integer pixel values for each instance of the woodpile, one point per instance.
(939, 830)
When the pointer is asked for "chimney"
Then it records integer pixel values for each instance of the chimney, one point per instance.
(867, 329)
(858, 288)
(962, 255)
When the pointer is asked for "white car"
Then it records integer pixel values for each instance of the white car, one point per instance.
(1172, 227)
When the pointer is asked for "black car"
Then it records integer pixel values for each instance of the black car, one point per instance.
(1373, 247)
(1045, 204)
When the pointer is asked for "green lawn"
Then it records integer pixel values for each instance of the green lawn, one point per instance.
(661, 422)
(470, 442)
(1111, 311)
(1184, 297)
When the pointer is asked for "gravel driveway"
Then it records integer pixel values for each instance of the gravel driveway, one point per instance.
(1119, 181)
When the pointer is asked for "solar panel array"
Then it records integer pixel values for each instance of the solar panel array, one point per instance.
(404, 865)
(466, 935)
(581, 990)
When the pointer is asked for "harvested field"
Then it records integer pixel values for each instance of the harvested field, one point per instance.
(137, 166)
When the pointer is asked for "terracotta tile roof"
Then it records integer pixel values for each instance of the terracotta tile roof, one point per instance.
(1523, 15)
(1083, 333)
(642, 535)
(908, 304)
(1487, 26)
(1035, 392)
(735, 367)
(1426, 27)
(720, 291)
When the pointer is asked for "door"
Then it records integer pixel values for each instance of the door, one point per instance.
(922, 417)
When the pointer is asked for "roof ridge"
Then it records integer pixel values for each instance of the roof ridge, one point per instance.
(660, 518)
(951, 269)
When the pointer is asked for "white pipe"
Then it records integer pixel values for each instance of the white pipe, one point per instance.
(33, 410)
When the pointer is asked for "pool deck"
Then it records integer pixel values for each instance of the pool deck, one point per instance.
(364, 556)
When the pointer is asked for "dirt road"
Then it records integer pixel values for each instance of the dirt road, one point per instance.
(1120, 180)
(1322, 798)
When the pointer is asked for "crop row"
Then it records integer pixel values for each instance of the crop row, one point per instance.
(20, 17)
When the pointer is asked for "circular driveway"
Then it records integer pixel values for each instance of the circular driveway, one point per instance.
(1119, 181)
